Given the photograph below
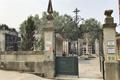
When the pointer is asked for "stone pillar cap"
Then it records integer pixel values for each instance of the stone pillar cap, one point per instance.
(50, 11)
(108, 13)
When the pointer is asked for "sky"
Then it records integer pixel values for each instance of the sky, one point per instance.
(14, 12)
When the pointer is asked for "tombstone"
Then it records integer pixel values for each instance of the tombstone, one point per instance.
(109, 45)
(80, 44)
(59, 45)
(97, 46)
(65, 46)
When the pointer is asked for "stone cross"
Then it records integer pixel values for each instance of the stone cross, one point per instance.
(76, 11)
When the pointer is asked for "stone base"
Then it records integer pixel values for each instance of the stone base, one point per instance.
(111, 70)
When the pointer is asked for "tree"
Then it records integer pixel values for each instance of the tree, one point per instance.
(71, 31)
(27, 30)
(63, 25)
(39, 42)
(91, 27)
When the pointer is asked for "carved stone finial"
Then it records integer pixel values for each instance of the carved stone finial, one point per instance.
(50, 10)
(108, 13)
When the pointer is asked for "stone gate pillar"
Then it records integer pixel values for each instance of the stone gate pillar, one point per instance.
(49, 38)
(109, 47)
(49, 43)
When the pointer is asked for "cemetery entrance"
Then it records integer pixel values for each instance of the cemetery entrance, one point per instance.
(65, 64)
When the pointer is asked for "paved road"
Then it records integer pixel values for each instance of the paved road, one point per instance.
(90, 68)
(13, 75)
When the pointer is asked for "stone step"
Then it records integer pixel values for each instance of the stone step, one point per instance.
(69, 77)
(78, 79)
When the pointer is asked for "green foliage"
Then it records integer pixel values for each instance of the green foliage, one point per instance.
(32, 26)
(71, 31)
(63, 24)
(27, 33)
(92, 27)
(39, 42)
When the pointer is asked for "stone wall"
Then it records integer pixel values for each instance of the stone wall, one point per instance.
(36, 62)
(112, 71)
(2, 41)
